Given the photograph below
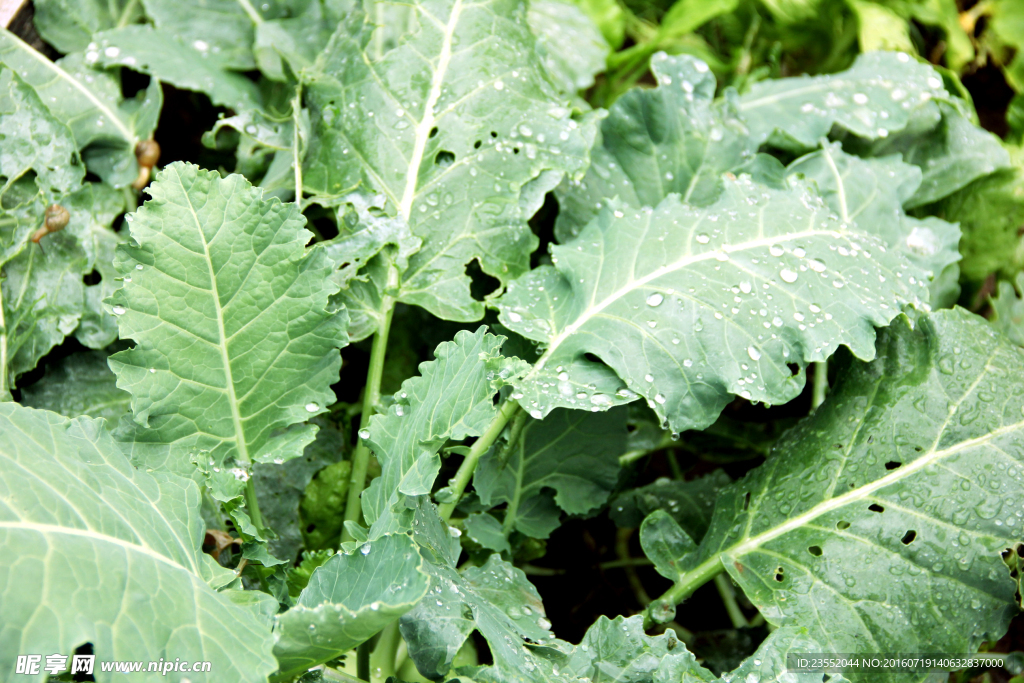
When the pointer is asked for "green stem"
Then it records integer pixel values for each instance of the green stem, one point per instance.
(5, 390)
(513, 441)
(686, 585)
(131, 202)
(724, 585)
(820, 384)
(126, 14)
(247, 7)
(371, 398)
(253, 505)
(384, 656)
(673, 464)
(622, 550)
(757, 620)
(296, 152)
(461, 479)
(628, 562)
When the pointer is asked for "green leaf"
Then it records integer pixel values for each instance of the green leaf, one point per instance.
(618, 650)
(163, 55)
(571, 46)
(873, 99)
(989, 212)
(1008, 310)
(69, 25)
(348, 600)
(573, 453)
(93, 209)
(105, 125)
(881, 28)
(496, 599)
(369, 246)
(719, 308)
(872, 193)
(236, 343)
(951, 155)
(689, 503)
(668, 546)
(461, 130)
(226, 27)
(40, 291)
(453, 398)
(323, 506)
(80, 384)
(487, 531)
(74, 507)
(670, 139)
(878, 522)
(280, 489)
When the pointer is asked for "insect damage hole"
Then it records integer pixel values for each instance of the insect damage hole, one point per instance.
(908, 537)
(815, 550)
(746, 500)
(875, 507)
(780, 574)
(444, 159)
(892, 464)
(842, 524)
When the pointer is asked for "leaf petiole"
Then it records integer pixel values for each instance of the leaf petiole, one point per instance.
(685, 586)
(371, 397)
(506, 412)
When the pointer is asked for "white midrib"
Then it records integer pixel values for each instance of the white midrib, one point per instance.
(844, 212)
(3, 349)
(236, 417)
(863, 492)
(52, 529)
(426, 124)
(64, 75)
(585, 317)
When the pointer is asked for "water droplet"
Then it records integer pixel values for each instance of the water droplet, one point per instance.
(119, 310)
(499, 85)
(365, 550)
(703, 239)
(788, 275)
(655, 299)
(754, 353)
(364, 433)
(112, 52)
(312, 407)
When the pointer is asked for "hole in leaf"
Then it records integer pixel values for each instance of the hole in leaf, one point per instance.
(842, 525)
(444, 159)
(815, 550)
(311, 528)
(93, 278)
(780, 574)
(918, 449)
(875, 507)
(476, 145)
(493, 134)
(515, 150)
(892, 464)
(433, 131)
(481, 285)
(746, 500)
(909, 537)
(794, 369)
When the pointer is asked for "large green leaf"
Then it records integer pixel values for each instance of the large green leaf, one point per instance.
(874, 98)
(672, 138)
(190, 66)
(226, 27)
(572, 453)
(40, 291)
(458, 126)
(120, 553)
(348, 600)
(69, 25)
(105, 125)
(81, 384)
(951, 154)
(453, 398)
(878, 522)
(688, 306)
(236, 343)
(872, 193)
